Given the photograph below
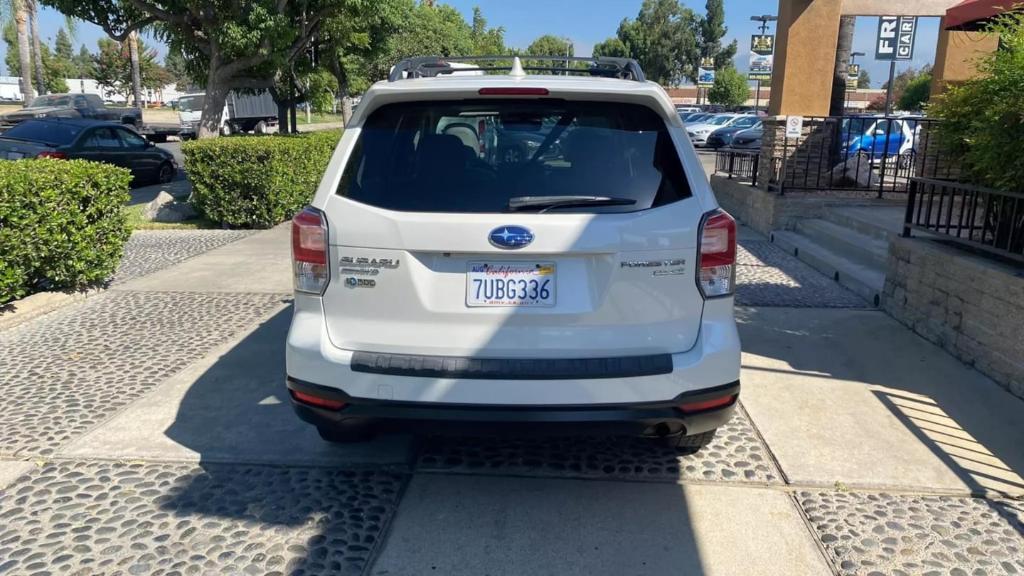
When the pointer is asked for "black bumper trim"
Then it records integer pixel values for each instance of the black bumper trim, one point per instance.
(619, 418)
(510, 368)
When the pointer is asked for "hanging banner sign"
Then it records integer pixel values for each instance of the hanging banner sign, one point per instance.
(895, 39)
(706, 72)
(762, 56)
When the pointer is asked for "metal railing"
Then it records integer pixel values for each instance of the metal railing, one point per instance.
(983, 218)
(862, 154)
(738, 164)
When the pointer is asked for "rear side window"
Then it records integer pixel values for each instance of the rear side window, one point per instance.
(475, 156)
(54, 133)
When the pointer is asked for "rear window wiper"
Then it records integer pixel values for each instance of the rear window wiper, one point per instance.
(545, 203)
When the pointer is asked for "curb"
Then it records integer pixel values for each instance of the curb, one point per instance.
(30, 307)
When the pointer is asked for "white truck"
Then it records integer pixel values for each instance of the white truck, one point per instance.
(243, 112)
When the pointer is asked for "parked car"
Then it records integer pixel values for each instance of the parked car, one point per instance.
(877, 139)
(723, 136)
(699, 131)
(70, 138)
(687, 109)
(591, 291)
(697, 117)
(749, 139)
(88, 106)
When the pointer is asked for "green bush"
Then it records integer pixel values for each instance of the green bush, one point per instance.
(62, 224)
(982, 119)
(257, 181)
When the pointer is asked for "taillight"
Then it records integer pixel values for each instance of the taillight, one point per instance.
(52, 154)
(702, 405)
(309, 251)
(717, 275)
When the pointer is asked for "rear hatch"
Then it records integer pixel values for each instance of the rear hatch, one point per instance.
(581, 244)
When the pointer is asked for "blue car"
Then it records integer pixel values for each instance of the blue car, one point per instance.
(878, 139)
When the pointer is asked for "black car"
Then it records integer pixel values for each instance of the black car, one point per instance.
(96, 140)
(723, 136)
(749, 139)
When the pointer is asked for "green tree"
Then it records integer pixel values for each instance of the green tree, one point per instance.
(486, 41)
(981, 120)
(916, 93)
(712, 30)
(730, 88)
(663, 39)
(177, 70)
(241, 44)
(864, 79)
(62, 45)
(611, 47)
(85, 63)
(54, 73)
(113, 68)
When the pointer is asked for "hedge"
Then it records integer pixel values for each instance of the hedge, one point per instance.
(257, 181)
(62, 224)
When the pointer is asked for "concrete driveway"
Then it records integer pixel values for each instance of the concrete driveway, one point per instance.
(146, 430)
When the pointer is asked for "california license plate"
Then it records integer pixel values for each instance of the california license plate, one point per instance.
(510, 284)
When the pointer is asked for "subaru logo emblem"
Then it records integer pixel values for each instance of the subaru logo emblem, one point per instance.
(510, 237)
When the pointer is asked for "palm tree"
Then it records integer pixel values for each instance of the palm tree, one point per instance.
(133, 51)
(20, 12)
(37, 52)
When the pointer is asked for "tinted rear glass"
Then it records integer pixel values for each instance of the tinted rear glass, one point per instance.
(474, 156)
(48, 132)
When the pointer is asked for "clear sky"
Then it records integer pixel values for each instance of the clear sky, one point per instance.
(587, 22)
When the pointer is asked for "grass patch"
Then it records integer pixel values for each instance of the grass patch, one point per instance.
(317, 118)
(135, 220)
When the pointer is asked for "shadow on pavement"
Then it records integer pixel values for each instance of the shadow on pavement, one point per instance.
(967, 421)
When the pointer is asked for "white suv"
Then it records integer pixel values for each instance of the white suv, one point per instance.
(586, 285)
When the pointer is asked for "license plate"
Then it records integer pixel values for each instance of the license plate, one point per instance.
(510, 284)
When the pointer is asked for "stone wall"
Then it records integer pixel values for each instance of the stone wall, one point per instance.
(803, 161)
(970, 305)
(762, 210)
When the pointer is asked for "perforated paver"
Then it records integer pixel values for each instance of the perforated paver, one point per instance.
(735, 455)
(68, 371)
(148, 251)
(146, 519)
(768, 276)
(884, 534)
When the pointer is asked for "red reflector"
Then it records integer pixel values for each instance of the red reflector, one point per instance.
(317, 401)
(513, 91)
(52, 154)
(702, 405)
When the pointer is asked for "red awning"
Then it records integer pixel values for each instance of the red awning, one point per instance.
(972, 14)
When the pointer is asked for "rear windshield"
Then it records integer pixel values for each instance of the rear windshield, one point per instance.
(474, 156)
(57, 133)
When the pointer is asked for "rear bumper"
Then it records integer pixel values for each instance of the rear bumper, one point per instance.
(654, 419)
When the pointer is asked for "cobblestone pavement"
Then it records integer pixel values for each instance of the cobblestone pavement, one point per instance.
(148, 251)
(883, 534)
(70, 370)
(146, 519)
(767, 276)
(735, 455)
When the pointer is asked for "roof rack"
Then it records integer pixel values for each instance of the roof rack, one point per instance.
(430, 66)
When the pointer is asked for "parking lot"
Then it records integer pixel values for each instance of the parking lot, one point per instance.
(146, 430)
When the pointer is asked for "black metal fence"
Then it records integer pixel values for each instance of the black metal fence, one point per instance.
(864, 154)
(983, 218)
(738, 164)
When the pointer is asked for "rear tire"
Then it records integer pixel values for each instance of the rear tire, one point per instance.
(166, 173)
(261, 127)
(345, 434)
(686, 445)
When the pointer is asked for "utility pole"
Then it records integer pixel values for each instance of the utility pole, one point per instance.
(764, 19)
(888, 91)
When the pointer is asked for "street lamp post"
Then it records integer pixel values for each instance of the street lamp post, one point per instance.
(764, 19)
(853, 60)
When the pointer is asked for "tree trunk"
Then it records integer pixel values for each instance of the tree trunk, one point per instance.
(837, 105)
(291, 113)
(133, 52)
(37, 53)
(24, 50)
(213, 103)
(346, 110)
